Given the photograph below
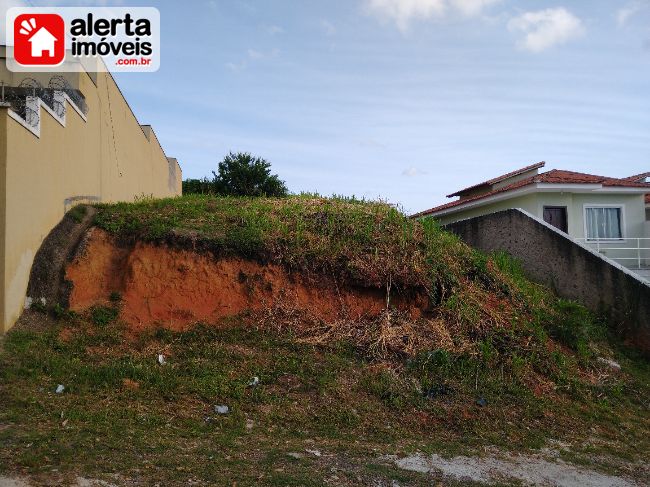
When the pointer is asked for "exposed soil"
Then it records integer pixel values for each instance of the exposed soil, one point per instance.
(529, 469)
(159, 285)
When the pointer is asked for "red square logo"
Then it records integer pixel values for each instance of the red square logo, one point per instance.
(39, 39)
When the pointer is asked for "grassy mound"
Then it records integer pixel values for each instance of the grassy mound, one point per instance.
(495, 361)
(477, 303)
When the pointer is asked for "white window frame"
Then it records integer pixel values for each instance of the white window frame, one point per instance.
(598, 205)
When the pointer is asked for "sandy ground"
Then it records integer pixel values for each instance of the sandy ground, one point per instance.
(528, 469)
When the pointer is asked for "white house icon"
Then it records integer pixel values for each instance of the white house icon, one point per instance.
(42, 41)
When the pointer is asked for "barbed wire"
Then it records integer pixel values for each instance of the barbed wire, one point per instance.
(53, 96)
(59, 83)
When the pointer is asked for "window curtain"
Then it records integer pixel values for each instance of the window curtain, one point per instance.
(604, 223)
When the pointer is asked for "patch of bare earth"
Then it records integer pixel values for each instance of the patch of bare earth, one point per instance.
(177, 288)
(543, 469)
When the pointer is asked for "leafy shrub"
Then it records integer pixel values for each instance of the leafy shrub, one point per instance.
(239, 174)
(103, 315)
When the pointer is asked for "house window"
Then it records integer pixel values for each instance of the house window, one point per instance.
(604, 223)
(557, 216)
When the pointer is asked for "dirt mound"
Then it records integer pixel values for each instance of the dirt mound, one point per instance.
(160, 285)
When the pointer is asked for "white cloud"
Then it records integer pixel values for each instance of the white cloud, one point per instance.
(546, 28)
(274, 29)
(403, 12)
(626, 13)
(328, 27)
(412, 172)
(471, 8)
(236, 67)
(254, 54)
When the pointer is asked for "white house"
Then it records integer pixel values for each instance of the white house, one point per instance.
(42, 41)
(610, 214)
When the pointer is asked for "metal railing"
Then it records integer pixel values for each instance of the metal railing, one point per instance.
(629, 252)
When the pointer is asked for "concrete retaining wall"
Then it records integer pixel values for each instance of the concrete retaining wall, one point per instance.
(572, 270)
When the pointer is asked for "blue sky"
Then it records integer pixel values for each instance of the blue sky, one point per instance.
(406, 100)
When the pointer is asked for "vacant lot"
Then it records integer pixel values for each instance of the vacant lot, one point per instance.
(317, 415)
(492, 367)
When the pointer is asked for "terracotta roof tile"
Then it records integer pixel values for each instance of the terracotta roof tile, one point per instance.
(554, 176)
(500, 178)
(639, 177)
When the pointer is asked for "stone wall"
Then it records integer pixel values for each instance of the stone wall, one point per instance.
(572, 270)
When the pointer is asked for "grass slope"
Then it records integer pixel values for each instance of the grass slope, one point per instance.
(123, 413)
(498, 361)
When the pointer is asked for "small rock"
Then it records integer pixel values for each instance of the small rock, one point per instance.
(249, 424)
(610, 363)
(60, 388)
(438, 390)
(161, 359)
(316, 453)
(221, 409)
(481, 402)
(297, 456)
(254, 382)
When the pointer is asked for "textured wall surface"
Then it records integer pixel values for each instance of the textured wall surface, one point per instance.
(571, 270)
(104, 156)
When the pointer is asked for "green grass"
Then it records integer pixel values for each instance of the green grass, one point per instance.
(123, 413)
(489, 336)
(486, 300)
(367, 242)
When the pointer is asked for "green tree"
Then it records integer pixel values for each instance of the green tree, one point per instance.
(241, 174)
(198, 186)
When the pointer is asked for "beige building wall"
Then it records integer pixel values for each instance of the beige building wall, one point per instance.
(525, 202)
(625, 252)
(632, 204)
(105, 156)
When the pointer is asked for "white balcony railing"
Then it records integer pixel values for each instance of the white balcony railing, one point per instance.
(633, 253)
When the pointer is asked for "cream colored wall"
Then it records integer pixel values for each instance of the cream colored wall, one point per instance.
(634, 209)
(633, 205)
(526, 202)
(575, 202)
(108, 158)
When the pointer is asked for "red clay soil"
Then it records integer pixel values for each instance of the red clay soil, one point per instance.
(162, 286)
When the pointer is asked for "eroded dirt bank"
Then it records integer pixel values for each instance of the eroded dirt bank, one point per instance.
(175, 288)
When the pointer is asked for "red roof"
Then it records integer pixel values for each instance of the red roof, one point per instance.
(555, 176)
(500, 178)
(639, 178)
